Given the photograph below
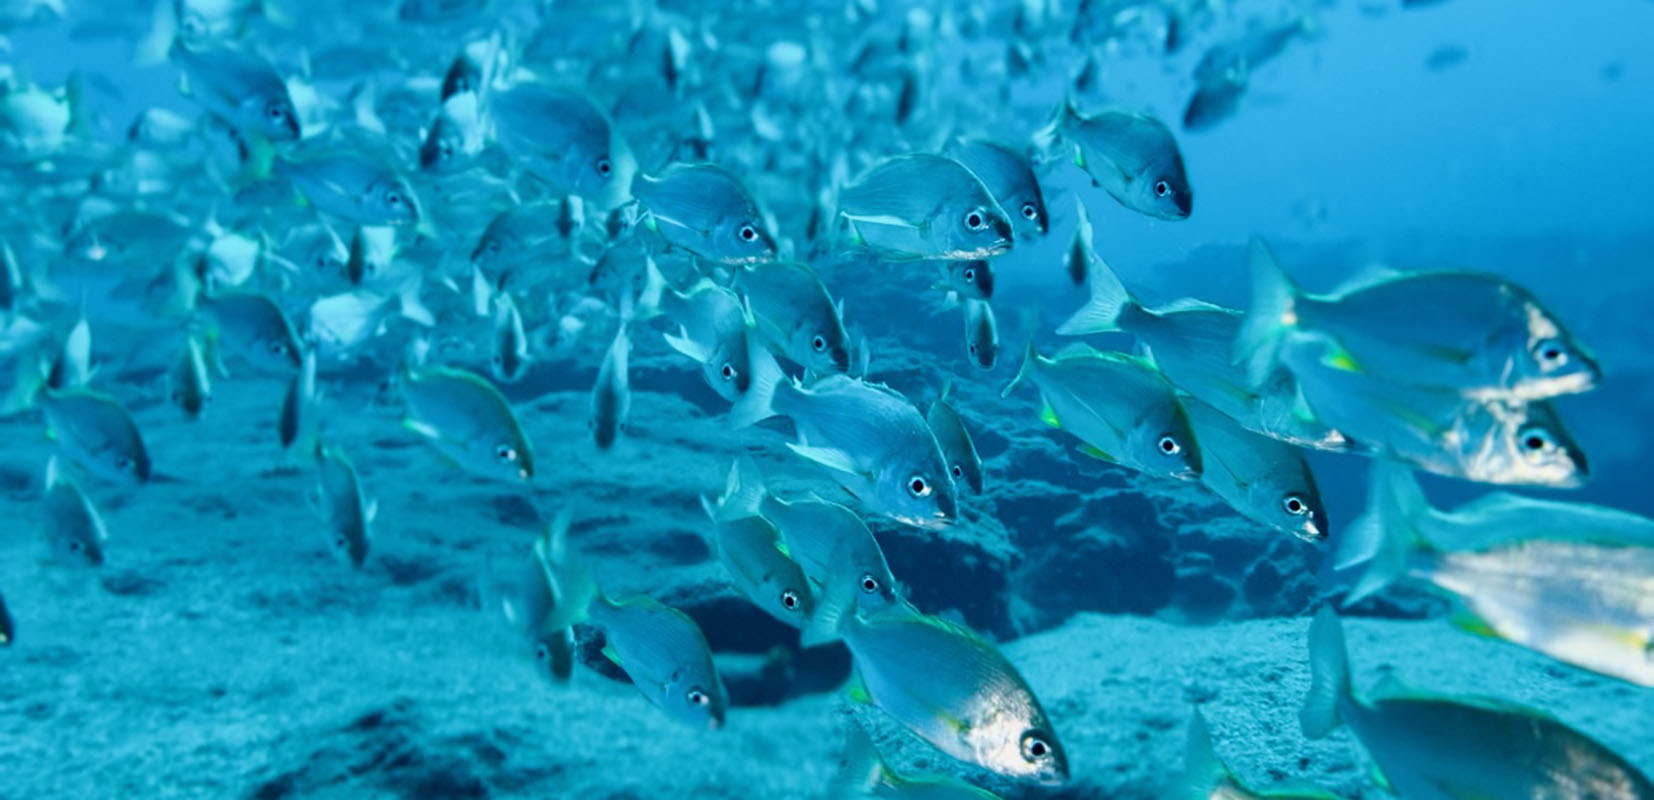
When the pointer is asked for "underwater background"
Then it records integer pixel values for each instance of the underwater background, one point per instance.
(222, 650)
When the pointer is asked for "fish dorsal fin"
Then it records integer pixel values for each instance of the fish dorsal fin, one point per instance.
(1188, 304)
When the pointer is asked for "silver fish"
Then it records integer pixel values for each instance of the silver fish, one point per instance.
(666, 656)
(796, 315)
(612, 393)
(74, 530)
(253, 327)
(705, 209)
(752, 552)
(1132, 156)
(342, 504)
(1010, 179)
(95, 432)
(353, 187)
(1266, 480)
(241, 88)
(8, 628)
(468, 421)
(923, 206)
(563, 138)
(297, 424)
(955, 440)
(191, 385)
(981, 333)
(510, 358)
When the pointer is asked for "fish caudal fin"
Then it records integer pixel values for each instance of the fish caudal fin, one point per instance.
(758, 404)
(1272, 313)
(1029, 357)
(654, 288)
(410, 306)
(860, 768)
(1386, 537)
(1329, 675)
(1203, 771)
(1108, 299)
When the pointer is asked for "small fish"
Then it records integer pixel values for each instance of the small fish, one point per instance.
(1120, 406)
(353, 187)
(253, 327)
(1206, 777)
(515, 236)
(981, 333)
(1192, 343)
(467, 420)
(612, 393)
(73, 365)
(191, 385)
(949, 686)
(716, 331)
(340, 323)
(1237, 58)
(563, 138)
(510, 358)
(95, 432)
(1571, 583)
(665, 654)
(973, 278)
(1266, 480)
(8, 628)
(456, 138)
(1082, 251)
(1436, 430)
(1010, 179)
(863, 774)
(872, 440)
(955, 440)
(1446, 57)
(1132, 156)
(1475, 333)
(539, 607)
(342, 504)
(754, 556)
(921, 206)
(297, 425)
(127, 238)
(705, 209)
(241, 88)
(796, 315)
(1435, 746)
(74, 530)
(1212, 103)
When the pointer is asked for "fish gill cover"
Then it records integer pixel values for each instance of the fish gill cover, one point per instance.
(825, 399)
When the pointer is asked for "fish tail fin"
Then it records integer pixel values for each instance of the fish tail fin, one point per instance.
(409, 304)
(157, 44)
(836, 604)
(1329, 675)
(1044, 141)
(758, 404)
(1386, 537)
(654, 288)
(1272, 314)
(1203, 771)
(1109, 301)
(1029, 357)
(860, 768)
(745, 489)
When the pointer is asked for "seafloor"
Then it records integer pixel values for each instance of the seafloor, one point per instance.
(221, 652)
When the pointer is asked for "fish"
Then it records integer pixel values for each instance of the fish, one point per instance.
(971, 279)
(1132, 156)
(1212, 104)
(241, 88)
(467, 421)
(1010, 178)
(612, 393)
(955, 440)
(1191, 342)
(862, 774)
(1206, 777)
(1238, 57)
(73, 365)
(342, 504)
(1436, 430)
(1119, 405)
(1082, 251)
(515, 236)
(981, 333)
(298, 423)
(796, 316)
(1436, 747)
(562, 137)
(541, 601)
(921, 206)
(352, 187)
(666, 655)
(754, 556)
(253, 327)
(870, 438)
(96, 433)
(706, 210)
(1573, 586)
(8, 628)
(74, 529)
(952, 688)
(1264, 479)
(510, 358)
(1475, 333)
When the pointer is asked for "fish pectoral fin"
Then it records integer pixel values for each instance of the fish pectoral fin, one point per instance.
(1474, 625)
(828, 457)
(1048, 415)
(422, 429)
(856, 690)
(614, 657)
(372, 511)
(1097, 453)
(882, 219)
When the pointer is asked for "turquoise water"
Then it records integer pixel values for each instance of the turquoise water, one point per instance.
(224, 647)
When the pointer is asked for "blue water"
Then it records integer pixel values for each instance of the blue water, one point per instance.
(222, 650)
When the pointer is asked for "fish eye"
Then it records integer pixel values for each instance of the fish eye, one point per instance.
(958, 471)
(972, 348)
(869, 584)
(123, 464)
(918, 486)
(1034, 747)
(1030, 211)
(496, 358)
(747, 233)
(1169, 446)
(340, 542)
(1551, 354)
(1294, 505)
(541, 654)
(975, 220)
(696, 697)
(492, 246)
(789, 600)
(505, 453)
(1162, 189)
(1537, 440)
(819, 343)
(276, 113)
(74, 545)
(393, 198)
(277, 348)
(605, 167)
(727, 371)
(970, 274)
